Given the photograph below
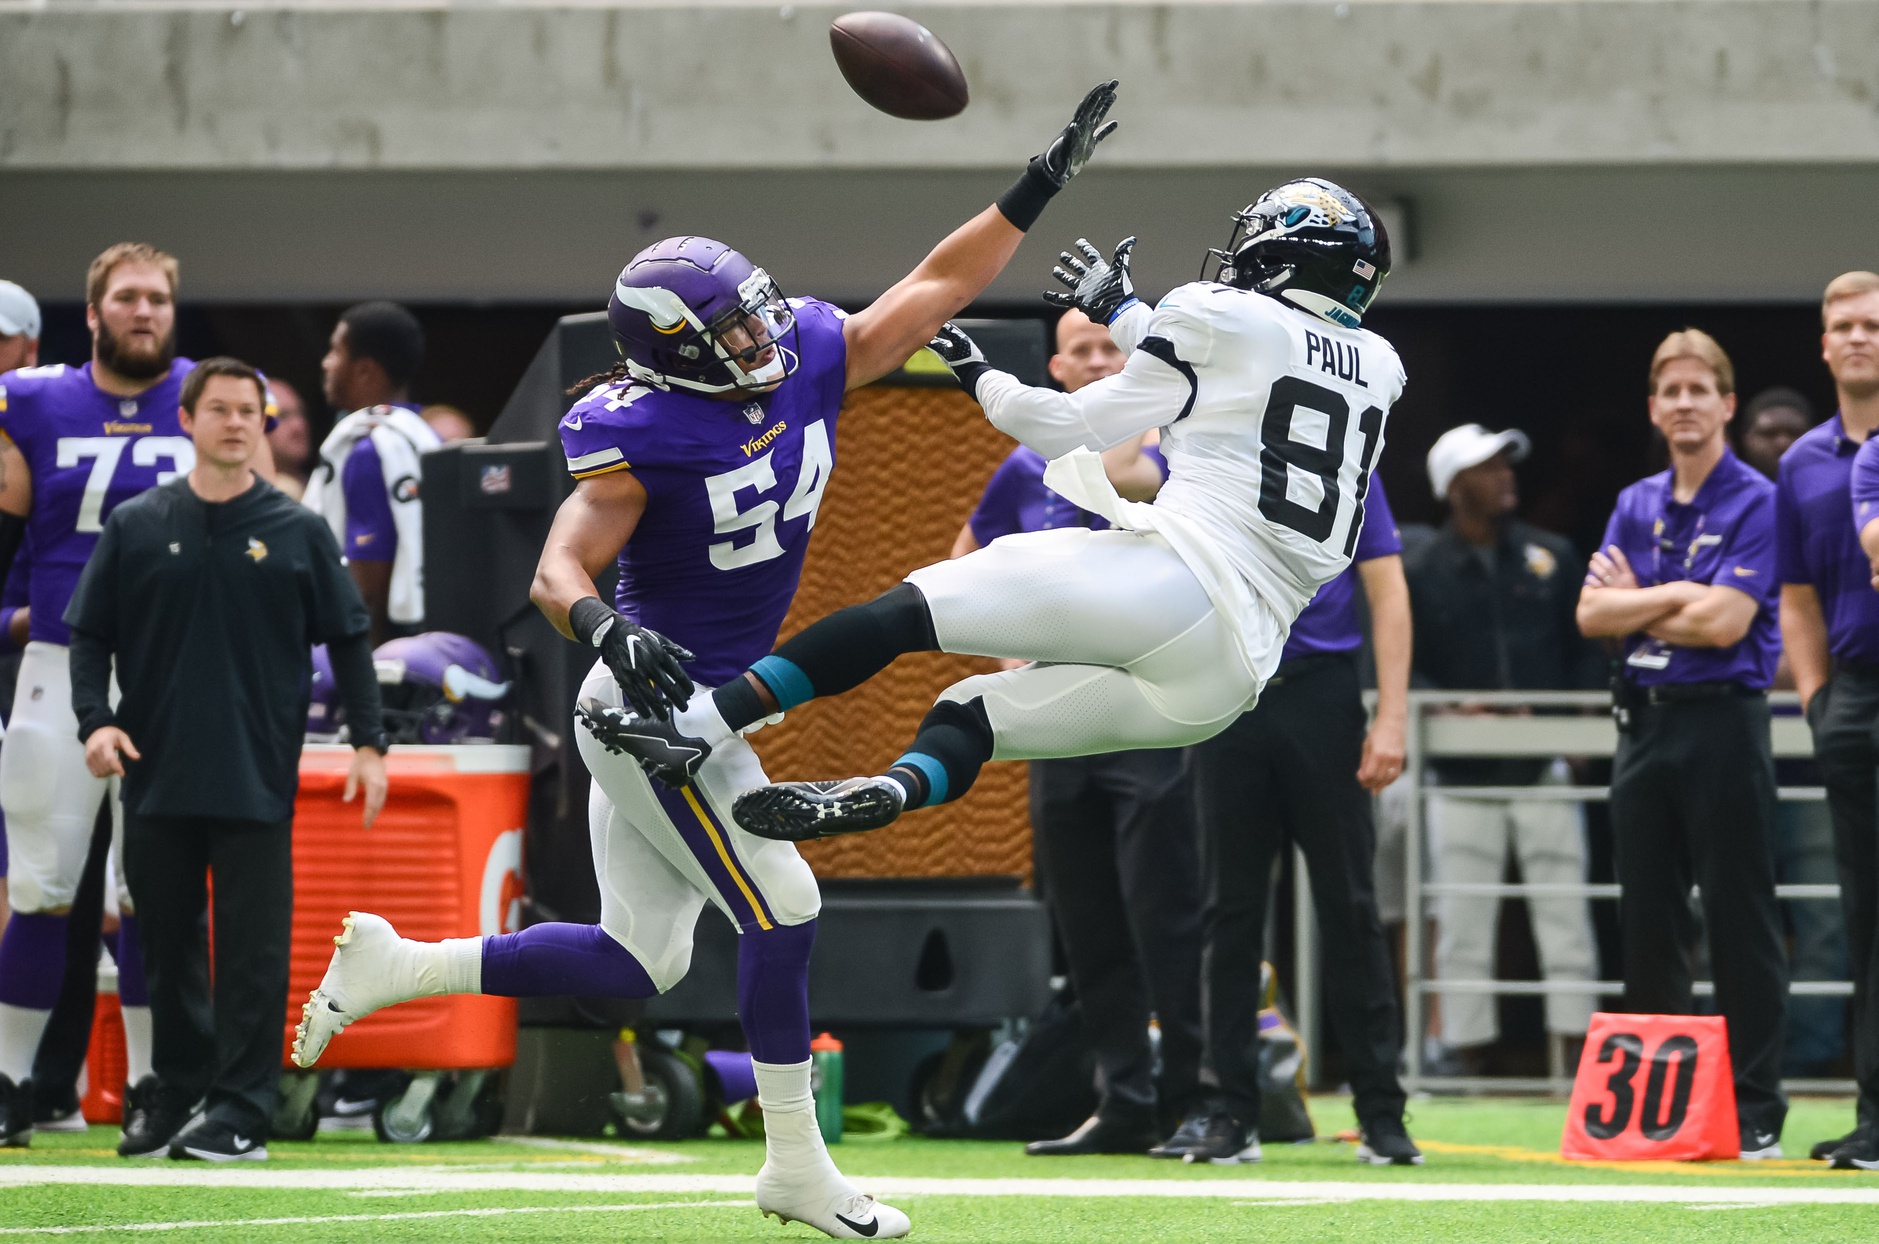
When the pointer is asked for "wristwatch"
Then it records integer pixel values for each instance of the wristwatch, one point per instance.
(380, 743)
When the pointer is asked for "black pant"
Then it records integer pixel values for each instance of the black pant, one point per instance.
(227, 1055)
(1693, 799)
(1115, 841)
(1845, 714)
(1287, 773)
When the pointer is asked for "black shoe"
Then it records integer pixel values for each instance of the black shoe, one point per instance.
(799, 811)
(1385, 1143)
(1192, 1132)
(217, 1140)
(1225, 1142)
(1823, 1150)
(16, 1113)
(1759, 1144)
(1097, 1135)
(663, 752)
(1859, 1153)
(150, 1121)
(56, 1115)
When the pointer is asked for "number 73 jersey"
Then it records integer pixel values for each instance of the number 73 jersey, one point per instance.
(88, 450)
(732, 490)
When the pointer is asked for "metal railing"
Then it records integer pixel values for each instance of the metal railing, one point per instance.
(1580, 726)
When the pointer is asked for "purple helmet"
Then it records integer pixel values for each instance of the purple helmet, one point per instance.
(325, 714)
(690, 313)
(440, 688)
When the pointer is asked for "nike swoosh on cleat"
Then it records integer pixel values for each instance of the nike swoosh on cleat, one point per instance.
(868, 1228)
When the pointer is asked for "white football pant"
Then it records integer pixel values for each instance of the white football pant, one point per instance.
(661, 854)
(50, 798)
(1130, 651)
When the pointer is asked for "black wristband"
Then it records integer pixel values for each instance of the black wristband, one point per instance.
(587, 615)
(969, 375)
(12, 532)
(1029, 195)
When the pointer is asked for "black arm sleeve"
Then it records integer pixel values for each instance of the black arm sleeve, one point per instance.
(91, 684)
(12, 531)
(358, 689)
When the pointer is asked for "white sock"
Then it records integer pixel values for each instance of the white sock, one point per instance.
(701, 720)
(791, 1138)
(136, 1043)
(454, 965)
(20, 1030)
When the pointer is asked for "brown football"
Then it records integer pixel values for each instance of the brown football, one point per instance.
(898, 65)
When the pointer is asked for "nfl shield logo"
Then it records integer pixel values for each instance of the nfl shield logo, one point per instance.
(753, 412)
(495, 480)
(127, 407)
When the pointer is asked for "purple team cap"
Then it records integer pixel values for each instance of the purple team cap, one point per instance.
(691, 313)
(440, 688)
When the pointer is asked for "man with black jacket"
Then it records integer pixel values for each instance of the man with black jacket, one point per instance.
(1493, 600)
(210, 591)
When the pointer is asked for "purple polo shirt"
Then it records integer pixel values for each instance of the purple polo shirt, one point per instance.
(1329, 622)
(1725, 535)
(1816, 543)
(1865, 485)
(1016, 499)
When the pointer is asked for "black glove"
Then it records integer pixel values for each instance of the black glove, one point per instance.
(644, 662)
(962, 354)
(1048, 173)
(1098, 289)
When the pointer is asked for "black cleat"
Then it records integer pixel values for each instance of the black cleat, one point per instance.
(1385, 1143)
(16, 1113)
(663, 752)
(1224, 1141)
(800, 811)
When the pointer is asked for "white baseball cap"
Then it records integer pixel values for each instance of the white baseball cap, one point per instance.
(18, 312)
(1469, 446)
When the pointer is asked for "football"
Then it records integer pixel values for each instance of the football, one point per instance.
(898, 66)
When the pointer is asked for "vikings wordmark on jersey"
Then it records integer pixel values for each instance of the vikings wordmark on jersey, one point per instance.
(732, 490)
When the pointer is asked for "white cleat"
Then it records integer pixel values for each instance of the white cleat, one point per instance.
(369, 970)
(830, 1204)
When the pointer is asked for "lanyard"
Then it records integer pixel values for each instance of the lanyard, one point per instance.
(1662, 544)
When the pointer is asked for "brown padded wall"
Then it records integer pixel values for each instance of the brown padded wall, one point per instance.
(909, 467)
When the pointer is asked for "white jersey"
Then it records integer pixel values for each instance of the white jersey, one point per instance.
(1271, 422)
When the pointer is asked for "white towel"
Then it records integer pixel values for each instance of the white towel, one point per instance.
(400, 437)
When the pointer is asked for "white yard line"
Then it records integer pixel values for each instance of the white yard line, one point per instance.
(617, 1153)
(443, 1179)
(321, 1219)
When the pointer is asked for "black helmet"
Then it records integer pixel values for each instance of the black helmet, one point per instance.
(1312, 243)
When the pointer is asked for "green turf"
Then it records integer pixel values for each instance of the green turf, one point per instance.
(1468, 1141)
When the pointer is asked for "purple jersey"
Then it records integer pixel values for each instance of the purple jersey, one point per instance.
(1726, 536)
(1016, 499)
(1329, 622)
(88, 451)
(1817, 544)
(732, 489)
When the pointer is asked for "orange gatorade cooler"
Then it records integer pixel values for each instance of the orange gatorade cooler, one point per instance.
(443, 860)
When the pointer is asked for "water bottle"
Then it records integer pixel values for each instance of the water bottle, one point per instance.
(825, 1080)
